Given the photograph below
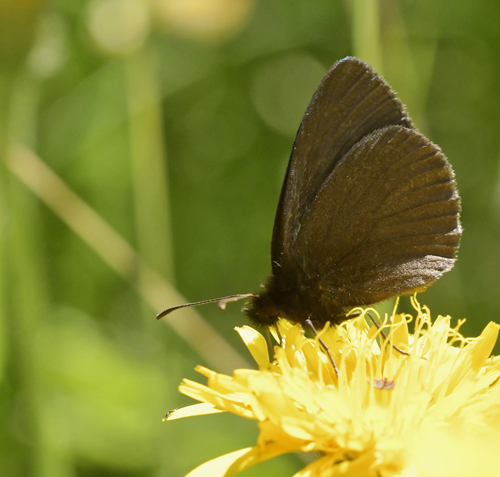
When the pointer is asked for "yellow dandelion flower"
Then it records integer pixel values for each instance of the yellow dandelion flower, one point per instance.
(431, 410)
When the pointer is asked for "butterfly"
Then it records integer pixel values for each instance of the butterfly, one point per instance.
(369, 207)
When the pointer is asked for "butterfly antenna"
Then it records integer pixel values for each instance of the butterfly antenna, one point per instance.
(223, 301)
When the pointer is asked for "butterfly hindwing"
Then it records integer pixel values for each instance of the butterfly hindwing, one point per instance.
(384, 223)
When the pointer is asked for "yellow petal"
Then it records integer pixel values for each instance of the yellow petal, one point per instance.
(399, 331)
(256, 344)
(194, 410)
(484, 346)
(327, 466)
(456, 452)
(229, 464)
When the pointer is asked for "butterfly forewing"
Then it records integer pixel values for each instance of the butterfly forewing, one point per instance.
(350, 103)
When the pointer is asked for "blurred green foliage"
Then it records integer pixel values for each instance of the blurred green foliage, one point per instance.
(174, 122)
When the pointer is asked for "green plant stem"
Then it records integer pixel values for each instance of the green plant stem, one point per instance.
(365, 17)
(6, 81)
(21, 303)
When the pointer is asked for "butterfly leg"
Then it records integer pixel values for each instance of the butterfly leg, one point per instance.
(325, 347)
(377, 324)
(280, 336)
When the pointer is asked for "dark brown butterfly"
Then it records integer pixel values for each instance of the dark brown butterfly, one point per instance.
(368, 210)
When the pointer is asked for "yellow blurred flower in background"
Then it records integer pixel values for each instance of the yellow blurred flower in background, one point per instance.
(203, 19)
(123, 26)
(118, 26)
(431, 412)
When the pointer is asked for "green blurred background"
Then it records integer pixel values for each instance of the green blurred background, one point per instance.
(162, 130)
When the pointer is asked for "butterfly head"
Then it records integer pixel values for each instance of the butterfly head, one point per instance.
(262, 310)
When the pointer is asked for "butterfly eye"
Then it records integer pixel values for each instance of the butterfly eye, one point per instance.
(262, 310)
